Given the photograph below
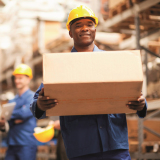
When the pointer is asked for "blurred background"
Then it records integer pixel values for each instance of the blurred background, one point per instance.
(29, 28)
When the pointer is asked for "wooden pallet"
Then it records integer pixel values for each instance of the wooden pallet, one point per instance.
(148, 146)
(137, 1)
(154, 11)
(43, 149)
(119, 8)
(133, 146)
(122, 6)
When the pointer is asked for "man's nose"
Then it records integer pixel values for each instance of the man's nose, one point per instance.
(84, 28)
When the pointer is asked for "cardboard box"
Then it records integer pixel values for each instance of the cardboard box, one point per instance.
(86, 83)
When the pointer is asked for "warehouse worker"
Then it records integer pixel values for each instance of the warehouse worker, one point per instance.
(21, 142)
(89, 137)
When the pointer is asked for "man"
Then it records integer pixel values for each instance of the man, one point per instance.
(21, 142)
(89, 137)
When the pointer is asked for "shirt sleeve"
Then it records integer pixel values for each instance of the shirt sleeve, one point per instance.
(33, 106)
(11, 123)
(143, 112)
(24, 112)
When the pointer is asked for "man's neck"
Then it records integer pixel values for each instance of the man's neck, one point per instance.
(22, 90)
(85, 48)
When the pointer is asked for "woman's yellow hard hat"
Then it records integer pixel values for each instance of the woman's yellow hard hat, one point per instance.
(23, 69)
(81, 12)
(45, 135)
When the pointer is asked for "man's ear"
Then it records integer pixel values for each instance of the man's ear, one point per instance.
(70, 34)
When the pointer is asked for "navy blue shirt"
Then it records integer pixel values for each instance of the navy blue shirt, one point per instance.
(89, 134)
(22, 134)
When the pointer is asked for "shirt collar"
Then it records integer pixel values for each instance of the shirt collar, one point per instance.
(23, 95)
(94, 49)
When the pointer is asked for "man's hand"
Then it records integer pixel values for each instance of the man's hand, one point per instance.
(56, 124)
(18, 121)
(44, 103)
(2, 122)
(137, 105)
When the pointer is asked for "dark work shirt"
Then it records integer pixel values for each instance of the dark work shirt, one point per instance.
(90, 134)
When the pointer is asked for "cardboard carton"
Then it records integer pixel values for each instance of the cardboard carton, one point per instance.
(86, 83)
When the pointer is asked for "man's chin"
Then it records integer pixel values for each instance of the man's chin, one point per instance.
(19, 87)
(86, 43)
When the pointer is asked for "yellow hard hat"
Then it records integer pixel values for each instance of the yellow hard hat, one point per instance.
(23, 69)
(45, 135)
(81, 11)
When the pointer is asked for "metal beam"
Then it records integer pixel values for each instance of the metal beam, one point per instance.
(145, 155)
(130, 43)
(152, 131)
(152, 115)
(146, 64)
(140, 137)
(147, 50)
(41, 28)
(137, 24)
(140, 121)
(128, 13)
(128, 31)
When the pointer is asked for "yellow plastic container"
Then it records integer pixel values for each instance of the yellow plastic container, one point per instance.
(46, 135)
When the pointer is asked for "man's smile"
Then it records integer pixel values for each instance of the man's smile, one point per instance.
(85, 35)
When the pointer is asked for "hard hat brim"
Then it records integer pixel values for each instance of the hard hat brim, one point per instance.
(94, 19)
(14, 74)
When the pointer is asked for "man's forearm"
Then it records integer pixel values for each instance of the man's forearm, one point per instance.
(143, 112)
(39, 112)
